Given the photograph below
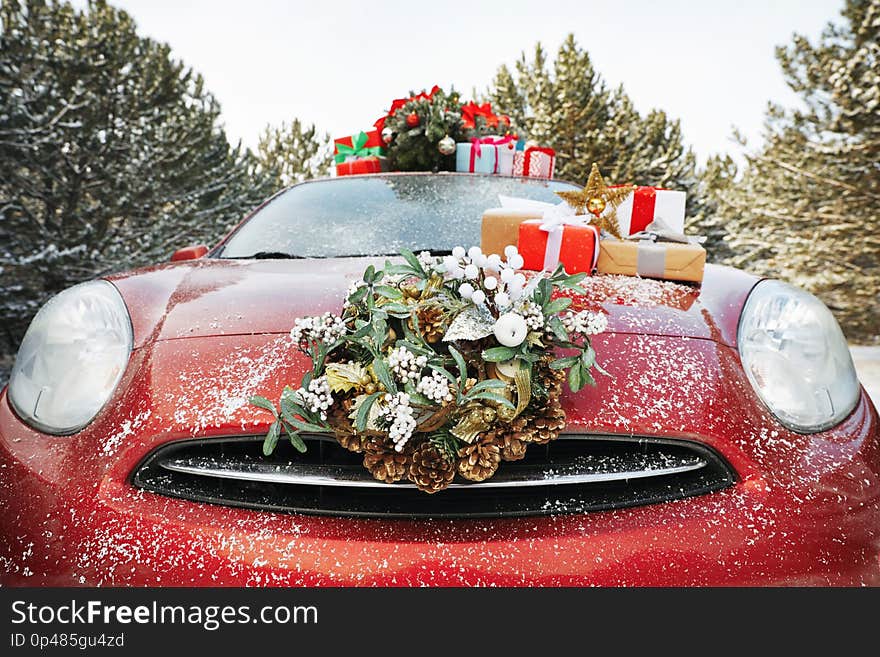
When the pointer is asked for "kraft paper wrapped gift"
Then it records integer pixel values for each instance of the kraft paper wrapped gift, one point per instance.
(672, 261)
(501, 227)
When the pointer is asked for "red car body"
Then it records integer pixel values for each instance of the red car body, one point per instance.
(208, 333)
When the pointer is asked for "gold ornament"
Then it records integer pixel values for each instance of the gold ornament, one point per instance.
(477, 419)
(596, 197)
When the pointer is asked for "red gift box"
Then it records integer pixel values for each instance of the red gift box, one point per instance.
(359, 166)
(543, 246)
(373, 141)
(647, 203)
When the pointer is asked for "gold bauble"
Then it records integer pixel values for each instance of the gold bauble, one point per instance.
(596, 205)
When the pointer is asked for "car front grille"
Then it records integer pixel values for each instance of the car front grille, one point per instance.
(575, 474)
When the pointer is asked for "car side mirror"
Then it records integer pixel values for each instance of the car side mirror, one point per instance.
(189, 253)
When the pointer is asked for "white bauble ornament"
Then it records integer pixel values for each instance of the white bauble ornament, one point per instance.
(511, 329)
(387, 135)
(446, 146)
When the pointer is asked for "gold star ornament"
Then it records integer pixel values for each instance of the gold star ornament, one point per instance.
(596, 197)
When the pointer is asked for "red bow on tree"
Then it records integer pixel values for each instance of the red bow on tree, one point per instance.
(470, 112)
(400, 102)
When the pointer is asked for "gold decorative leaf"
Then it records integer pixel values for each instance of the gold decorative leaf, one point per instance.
(342, 377)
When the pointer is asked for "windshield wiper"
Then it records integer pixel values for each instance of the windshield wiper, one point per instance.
(269, 255)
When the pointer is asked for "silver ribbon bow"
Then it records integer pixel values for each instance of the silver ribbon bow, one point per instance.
(651, 255)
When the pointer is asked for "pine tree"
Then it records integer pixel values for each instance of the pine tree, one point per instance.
(571, 110)
(111, 153)
(808, 206)
(293, 152)
(706, 216)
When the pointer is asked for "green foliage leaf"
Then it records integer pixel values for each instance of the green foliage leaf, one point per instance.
(558, 329)
(271, 439)
(588, 357)
(363, 411)
(556, 305)
(491, 396)
(358, 295)
(460, 364)
(262, 402)
(295, 440)
(302, 425)
(369, 273)
(486, 384)
(380, 368)
(498, 354)
(388, 292)
(575, 378)
(563, 363)
(413, 261)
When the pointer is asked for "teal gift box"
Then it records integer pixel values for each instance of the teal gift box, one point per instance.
(476, 156)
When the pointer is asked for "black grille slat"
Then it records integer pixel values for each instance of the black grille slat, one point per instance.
(670, 470)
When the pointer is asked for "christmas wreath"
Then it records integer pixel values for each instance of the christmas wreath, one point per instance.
(441, 366)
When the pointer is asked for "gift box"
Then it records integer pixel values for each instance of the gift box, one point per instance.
(476, 156)
(544, 245)
(361, 145)
(648, 203)
(361, 165)
(501, 227)
(670, 261)
(534, 162)
(506, 152)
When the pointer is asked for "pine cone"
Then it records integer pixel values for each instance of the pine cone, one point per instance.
(338, 418)
(547, 424)
(432, 322)
(353, 442)
(513, 447)
(430, 469)
(479, 461)
(383, 462)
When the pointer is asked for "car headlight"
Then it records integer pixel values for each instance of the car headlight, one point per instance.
(796, 358)
(72, 358)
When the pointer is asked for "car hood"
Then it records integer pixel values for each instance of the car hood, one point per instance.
(214, 297)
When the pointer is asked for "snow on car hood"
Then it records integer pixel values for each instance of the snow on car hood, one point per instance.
(212, 297)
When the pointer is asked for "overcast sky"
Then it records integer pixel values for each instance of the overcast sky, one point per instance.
(339, 63)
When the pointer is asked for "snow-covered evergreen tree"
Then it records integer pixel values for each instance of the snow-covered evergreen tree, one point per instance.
(571, 110)
(111, 153)
(293, 152)
(807, 207)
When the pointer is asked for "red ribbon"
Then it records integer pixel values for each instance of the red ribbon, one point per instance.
(477, 150)
(643, 206)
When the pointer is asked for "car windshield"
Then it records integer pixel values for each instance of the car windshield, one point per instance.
(379, 215)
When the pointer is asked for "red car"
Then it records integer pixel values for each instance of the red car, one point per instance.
(731, 443)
